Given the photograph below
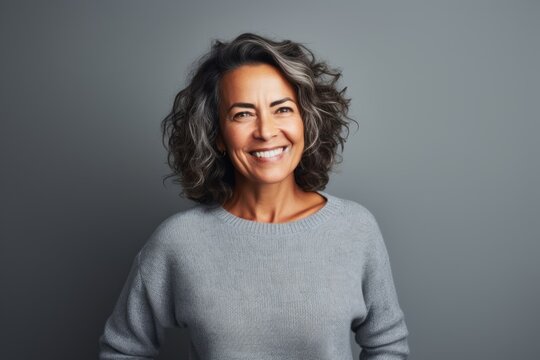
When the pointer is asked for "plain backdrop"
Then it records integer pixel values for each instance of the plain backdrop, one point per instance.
(446, 157)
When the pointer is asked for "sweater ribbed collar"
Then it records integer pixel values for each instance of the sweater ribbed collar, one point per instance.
(330, 208)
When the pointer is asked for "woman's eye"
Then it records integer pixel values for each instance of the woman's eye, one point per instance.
(240, 114)
(285, 108)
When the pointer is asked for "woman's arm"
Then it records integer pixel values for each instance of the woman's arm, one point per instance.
(132, 331)
(383, 333)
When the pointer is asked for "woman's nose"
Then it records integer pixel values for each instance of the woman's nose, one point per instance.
(265, 126)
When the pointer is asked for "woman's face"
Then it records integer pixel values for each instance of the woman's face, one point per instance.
(259, 112)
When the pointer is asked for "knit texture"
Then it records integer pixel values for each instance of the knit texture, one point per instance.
(248, 290)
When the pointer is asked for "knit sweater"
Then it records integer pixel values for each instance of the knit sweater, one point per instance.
(249, 290)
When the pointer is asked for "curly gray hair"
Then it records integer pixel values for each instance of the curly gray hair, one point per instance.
(190, 129)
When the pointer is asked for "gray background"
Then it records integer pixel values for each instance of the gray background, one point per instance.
(446, 158)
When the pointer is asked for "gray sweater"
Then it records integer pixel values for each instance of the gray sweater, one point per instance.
(261, 291)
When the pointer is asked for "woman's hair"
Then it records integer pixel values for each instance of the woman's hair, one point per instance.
(190, 129)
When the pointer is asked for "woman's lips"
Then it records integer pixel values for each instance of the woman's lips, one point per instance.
(268, 149)
(273, 158)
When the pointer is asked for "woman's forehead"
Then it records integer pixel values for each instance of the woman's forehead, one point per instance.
(254, 81)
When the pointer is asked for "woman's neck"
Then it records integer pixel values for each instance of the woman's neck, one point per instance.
(273, 203)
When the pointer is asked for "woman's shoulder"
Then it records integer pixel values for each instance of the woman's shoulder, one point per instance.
(184, 220)
(361, 222)
(357, 212)
(176, 231)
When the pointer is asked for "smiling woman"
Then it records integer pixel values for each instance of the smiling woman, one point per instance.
(265, 144)
(261, 91)
(267, 265)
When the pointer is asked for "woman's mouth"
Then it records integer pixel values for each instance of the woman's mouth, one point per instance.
(271, 155)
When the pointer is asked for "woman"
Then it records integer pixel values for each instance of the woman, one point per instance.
(266, 265)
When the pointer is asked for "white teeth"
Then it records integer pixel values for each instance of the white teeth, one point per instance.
(268, 154)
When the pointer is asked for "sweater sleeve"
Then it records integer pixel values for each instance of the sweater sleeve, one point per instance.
(383, 333)
(132, 331)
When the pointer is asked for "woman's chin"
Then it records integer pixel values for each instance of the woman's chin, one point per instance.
(269, 177)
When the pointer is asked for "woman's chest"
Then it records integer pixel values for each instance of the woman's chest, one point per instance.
(274, 296)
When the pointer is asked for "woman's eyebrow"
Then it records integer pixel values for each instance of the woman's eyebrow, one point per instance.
(280, 101)
(251, 106)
